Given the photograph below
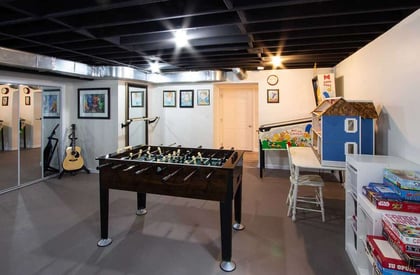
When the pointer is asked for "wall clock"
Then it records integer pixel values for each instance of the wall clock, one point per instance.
(26, 90)
(272, 79)
(4, 90)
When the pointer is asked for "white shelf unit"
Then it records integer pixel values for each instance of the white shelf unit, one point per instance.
(362, 217)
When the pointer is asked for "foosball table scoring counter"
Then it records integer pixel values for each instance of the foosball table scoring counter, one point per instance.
(208, 174)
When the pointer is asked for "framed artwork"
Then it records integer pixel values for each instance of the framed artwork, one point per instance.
(93, 103)
(4, 101)
(51, 103)
(137, 99)
(203, 97)
(186, 98)
(169, 98)
(27, 100)
(273, 96)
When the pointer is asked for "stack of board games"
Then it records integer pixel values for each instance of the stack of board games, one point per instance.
(385, 259)
(405, 183)
(384, 197)
(403, 233)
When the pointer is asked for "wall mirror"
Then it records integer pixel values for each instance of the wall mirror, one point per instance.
(29, 134)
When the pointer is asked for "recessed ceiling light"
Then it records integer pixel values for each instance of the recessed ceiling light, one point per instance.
(276, 61)
(181, 38)
(154, 67)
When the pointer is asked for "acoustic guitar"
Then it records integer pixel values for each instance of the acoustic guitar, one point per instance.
(73, 160)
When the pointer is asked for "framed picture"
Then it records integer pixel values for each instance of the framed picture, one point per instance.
(4, 101)
(273, 96)
(186, 98)
(137, 99)
(93, 103)
(203, 97)
(51, 103)
(27, 100)
(169, 98)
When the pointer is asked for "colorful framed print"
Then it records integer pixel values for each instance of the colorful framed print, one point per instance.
(93, 103)
(273, 96)
(186, 98)
(51, 103)
(203, 97)
(137, 99)
(169, 98)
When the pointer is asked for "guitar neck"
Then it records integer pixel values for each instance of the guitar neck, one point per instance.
(73, 137)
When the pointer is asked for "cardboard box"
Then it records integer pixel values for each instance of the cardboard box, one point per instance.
(403, 179)
(405, 225)
(386, 258)
(390, 204)
(405, 194)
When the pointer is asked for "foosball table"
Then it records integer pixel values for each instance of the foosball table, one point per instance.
(208, 174)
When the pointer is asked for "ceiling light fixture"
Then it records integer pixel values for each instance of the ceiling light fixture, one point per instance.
(154, 67)
(181, 38)
(276, 61)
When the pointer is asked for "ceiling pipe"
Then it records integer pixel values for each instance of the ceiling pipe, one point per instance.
(240, 73)
(41, 63)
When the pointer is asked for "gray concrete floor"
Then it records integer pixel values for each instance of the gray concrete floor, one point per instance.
(52, 227)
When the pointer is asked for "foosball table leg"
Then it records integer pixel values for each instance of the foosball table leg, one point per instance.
(104, 209)
(141, 204)
(225, 223)
(238, 209)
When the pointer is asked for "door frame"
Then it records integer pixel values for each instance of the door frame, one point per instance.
(217, 138)
(127, 111)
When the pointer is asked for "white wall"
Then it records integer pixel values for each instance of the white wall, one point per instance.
(189, 127)
(194, 126)
(296, 93)
(387, 71)
(96, 137)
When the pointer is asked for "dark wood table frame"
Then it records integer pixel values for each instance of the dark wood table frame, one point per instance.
(225, 186)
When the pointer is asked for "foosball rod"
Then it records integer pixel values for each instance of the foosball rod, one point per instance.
(143, 170)
(167, 177)
(190, 174)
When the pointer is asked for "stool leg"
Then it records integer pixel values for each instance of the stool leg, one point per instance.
(290, 199)
(321, 202)
(295, 194)
(289, 195)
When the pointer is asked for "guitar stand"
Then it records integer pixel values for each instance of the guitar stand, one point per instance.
(49, 151)
(73, 172)
(72, 144)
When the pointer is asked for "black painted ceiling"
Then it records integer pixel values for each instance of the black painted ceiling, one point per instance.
(223, 33)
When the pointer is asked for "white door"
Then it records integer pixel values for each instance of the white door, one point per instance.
(237, 117)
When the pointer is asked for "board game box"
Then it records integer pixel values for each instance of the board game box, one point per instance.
(409, 249)
(411, 261)
(385, 191)
(389, 204)
(385, 258)
(405, 225)
(404, 179)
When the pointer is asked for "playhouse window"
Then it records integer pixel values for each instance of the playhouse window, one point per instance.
(350, 148)
(350, 125)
